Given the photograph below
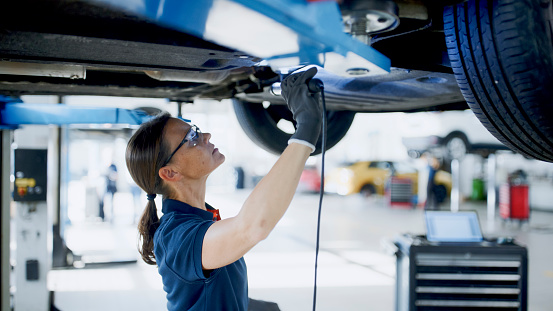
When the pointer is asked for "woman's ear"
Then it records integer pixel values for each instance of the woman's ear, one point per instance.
(168, 174)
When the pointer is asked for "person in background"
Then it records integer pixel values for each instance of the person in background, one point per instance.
(111, 189)
(198, 254)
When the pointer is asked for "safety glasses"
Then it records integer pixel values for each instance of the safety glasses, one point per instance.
(192, 137)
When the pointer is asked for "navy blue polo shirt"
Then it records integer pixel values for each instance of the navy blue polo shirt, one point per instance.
(178, 249)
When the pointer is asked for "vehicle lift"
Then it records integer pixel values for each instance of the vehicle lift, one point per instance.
(308, 31)
(35, 194)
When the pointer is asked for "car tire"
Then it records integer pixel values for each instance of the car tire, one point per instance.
(456, 145)
(502, 57)
(367, 190)
(260, 124)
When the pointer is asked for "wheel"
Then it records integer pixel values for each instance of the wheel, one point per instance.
(367, 190)
(502, 56)
(262, 124)
(456, 145)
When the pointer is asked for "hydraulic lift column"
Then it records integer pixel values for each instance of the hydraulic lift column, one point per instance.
(32, 220)
(456, 180)
(5, 197)
(32, 229)
(491, 201)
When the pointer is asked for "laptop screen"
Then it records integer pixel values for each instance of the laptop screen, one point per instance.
(442, 226)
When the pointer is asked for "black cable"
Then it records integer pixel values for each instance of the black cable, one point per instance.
(321, 193)
(316, 86)
(377, 38)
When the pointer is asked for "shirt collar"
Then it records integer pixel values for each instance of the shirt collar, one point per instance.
(170, 205)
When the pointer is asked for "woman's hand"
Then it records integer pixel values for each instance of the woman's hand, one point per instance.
(304, 106)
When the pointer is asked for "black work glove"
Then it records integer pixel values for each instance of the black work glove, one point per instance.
(305, 107)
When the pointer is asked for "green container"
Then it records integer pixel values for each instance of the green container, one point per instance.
(478, 193)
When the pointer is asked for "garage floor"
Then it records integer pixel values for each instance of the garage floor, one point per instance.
(356, 267)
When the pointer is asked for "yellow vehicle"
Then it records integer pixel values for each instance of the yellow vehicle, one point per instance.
(370, 177)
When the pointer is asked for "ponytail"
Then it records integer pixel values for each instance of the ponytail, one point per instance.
(147, 226)
(146, 153)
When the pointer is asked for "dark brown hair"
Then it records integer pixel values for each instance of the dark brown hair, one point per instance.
(146, 153)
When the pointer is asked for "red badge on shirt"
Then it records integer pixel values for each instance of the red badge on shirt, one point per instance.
(215, 213)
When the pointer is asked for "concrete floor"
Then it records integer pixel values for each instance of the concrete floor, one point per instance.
(356, 271)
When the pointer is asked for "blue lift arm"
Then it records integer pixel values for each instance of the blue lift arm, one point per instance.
(284, 33)
(14, 113)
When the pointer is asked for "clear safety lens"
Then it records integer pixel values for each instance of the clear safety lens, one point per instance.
(193, 135)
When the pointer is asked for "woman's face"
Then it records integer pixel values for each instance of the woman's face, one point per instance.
(191, 160)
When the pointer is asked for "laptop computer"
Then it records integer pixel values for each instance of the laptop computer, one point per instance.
(444, 226)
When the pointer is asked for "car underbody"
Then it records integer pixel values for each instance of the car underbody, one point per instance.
(117, 54)
(444, 55)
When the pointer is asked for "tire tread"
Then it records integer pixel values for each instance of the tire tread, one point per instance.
(489, 58)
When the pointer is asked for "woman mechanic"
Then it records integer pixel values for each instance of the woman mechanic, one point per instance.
(199, 256)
